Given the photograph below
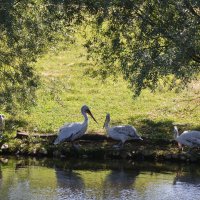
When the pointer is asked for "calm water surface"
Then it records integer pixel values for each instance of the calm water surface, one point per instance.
(33, 179)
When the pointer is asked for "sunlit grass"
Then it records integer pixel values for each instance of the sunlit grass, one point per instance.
(65, 88)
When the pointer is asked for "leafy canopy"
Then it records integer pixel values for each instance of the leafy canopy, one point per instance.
(27, 30)
(146, 40)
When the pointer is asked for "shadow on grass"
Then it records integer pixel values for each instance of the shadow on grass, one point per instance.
(13, 124)
(153, 129)
(158, 129)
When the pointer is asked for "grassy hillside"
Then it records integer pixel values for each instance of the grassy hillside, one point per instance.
(66, 86)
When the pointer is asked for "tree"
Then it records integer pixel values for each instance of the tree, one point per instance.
(143, 39)
(27, 30)
(146, 40)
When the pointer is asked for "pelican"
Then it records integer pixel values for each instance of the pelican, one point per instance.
(187, 138)
(122, 133)
(73, 131)
(2, 124)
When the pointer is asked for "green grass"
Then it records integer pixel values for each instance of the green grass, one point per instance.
(66, 87)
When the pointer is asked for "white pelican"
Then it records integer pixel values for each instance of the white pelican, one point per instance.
(122, 133)
(2, 124)
(73, 131)
(188, 138)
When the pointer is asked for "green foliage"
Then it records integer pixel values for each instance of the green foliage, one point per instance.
(143, 40)
(66, 86)
(27, 30)
(146, 40)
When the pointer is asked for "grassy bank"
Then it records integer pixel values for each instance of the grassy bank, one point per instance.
(66, 86)
(101, 148)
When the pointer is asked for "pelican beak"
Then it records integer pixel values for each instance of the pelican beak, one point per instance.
(89, 112)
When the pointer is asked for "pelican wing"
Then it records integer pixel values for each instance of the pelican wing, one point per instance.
(194, 137)
(67, 131)
(196, 141)
(190, 138)
(195, 134)
(2, 123)
(192, 133)
(128, 131)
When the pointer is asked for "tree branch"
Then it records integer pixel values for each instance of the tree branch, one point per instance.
(196, 58)
(191, 9)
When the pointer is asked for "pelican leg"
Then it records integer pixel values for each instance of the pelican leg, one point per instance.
(1, 135)
(75, 146)
(191, 150)
(180, 146)
(120, 145)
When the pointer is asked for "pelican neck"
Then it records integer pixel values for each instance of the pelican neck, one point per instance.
(176, 134)
(107, 125)
(85, 116)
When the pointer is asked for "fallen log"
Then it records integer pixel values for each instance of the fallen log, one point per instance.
(93, 137)
(51, 136)
(21, 135)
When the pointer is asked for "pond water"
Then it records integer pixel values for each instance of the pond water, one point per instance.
(56, 179)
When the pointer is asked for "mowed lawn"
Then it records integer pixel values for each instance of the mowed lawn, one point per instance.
(66, 86)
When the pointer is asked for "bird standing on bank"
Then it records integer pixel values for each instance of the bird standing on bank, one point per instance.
(122, 133)
(73, 131)
(2, 124)
(187, 138)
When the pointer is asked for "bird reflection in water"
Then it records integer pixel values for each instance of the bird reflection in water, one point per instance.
(190, 175)
(2, 161)
(0, 173)
(0, 177)
(119, 180)
(69, 182)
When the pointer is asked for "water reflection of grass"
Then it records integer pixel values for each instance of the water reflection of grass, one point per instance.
(51, 179)
(94, 165)
(26, 182)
